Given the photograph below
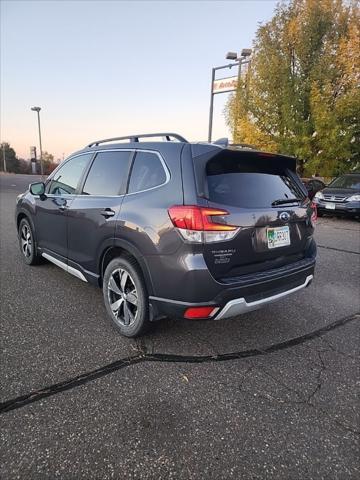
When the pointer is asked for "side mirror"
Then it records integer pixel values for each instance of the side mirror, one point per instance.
(37, 188)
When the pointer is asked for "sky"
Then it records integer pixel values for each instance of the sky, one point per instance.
(100, 69)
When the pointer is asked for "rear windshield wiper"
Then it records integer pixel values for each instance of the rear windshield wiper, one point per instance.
(282, 201)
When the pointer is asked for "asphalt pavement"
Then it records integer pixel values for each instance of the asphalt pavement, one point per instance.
(270, 394)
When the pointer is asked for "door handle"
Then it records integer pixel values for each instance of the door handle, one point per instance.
(107, 213)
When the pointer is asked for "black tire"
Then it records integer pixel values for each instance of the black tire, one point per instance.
(125, 297)
(27, 243)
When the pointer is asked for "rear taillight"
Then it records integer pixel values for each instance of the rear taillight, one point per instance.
(314, 213)
(196, 224)
(198, 218)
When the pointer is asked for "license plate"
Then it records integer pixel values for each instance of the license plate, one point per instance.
(278, 237)
(330, 206)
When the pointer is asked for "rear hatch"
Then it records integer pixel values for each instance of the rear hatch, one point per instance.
(265, 198)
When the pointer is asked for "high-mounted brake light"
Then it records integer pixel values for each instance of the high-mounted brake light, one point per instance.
(267, 154)
(196, 223)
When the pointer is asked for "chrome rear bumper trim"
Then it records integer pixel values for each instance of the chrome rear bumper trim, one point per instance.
(239, 305)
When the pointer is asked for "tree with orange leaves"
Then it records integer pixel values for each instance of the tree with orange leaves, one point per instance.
(301, 95)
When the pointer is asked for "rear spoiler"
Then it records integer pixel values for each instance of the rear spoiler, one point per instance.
(201, 157)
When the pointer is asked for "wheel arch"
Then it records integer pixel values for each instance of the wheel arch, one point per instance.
(24, 214)
(124, 248)
(19, 217)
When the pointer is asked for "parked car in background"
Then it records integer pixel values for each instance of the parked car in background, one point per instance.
(172, 228)
(313, 185)
(341, 196)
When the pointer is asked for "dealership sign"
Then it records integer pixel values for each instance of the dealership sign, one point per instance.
(33, 153)
(222, 85)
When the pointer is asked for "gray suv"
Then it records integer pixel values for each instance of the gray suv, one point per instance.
(172, 228)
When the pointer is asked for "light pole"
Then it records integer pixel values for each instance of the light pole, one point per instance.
(4, 156)
(37, 109)
(245, 52)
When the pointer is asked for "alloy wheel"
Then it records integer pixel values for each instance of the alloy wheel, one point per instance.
(122, 296)
(26, 240)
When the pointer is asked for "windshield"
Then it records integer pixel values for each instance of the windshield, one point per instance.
(347, 181)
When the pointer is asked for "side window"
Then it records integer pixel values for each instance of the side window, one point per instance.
(147, 172)
(65, 180)
(107, 173)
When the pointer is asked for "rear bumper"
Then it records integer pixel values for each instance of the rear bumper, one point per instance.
(239, 306)
(247, 294)
(351, 208)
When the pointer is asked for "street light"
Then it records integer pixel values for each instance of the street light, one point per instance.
(37, 109)
(245, 52)
(231, 56)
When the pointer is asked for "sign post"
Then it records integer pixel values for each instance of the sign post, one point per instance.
(225, 85)
(220, 86)
(33, 159)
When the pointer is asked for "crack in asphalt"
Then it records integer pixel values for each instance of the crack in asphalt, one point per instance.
(318, 380)
(143, 356)
(338, 249)
(305, 402)
(280, 382)
(331, 348)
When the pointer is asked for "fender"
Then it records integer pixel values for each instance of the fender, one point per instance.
(22, 211)
(125, 245)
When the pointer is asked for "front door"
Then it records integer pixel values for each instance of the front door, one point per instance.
(51, 212)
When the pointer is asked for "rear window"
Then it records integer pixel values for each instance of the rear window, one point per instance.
(250, 183)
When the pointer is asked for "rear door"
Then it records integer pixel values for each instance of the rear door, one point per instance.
(92, 214)
(262, 196)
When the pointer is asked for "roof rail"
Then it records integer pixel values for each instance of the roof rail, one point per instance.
(135, 138)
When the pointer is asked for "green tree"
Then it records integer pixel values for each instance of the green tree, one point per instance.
(12, 163)
(301, 95)
(24, 166)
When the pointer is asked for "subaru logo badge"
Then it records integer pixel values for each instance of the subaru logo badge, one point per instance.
(284, 216)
